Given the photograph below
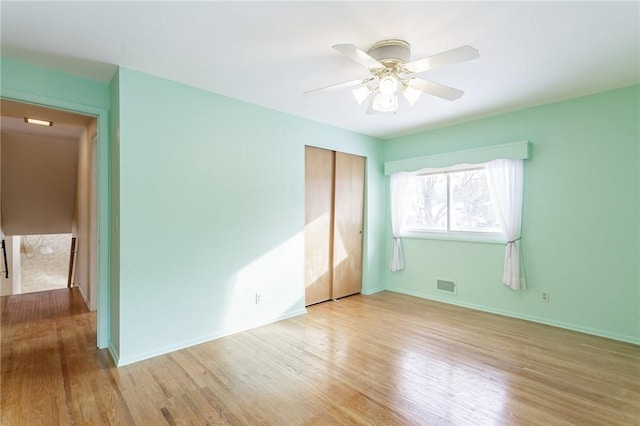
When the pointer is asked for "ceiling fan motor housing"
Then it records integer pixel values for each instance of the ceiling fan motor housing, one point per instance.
(391, 51)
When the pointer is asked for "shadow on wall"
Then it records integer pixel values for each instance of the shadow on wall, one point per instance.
(44, 262)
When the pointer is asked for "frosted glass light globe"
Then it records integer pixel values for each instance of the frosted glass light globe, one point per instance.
(388, 85)
(385, 103)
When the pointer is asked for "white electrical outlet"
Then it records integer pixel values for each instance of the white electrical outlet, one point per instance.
(258, 298)
(544, 296)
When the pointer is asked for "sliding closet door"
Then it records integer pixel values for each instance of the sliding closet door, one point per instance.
(319, 169)
(348, 224)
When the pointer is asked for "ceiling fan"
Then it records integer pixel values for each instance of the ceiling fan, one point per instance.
(391, 71)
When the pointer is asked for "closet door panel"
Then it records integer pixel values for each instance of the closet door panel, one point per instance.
(319, 171)
(348, 224)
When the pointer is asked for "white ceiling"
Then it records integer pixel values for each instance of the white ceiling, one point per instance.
(269, 53)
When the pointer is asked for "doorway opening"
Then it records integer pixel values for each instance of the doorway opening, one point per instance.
(96, 251)
(49, 193)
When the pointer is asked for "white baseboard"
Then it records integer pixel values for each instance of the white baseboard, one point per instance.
(204, 339)
(568, 326)
(114, 353)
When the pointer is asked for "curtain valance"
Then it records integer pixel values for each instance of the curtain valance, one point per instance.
(510, 151)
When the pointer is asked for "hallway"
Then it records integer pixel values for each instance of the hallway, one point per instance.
(52, 372)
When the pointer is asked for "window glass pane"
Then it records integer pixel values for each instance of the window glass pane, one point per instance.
(471, 208)
(428, 205)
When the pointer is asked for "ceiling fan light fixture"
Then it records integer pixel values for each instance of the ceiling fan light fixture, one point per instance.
(361, 94)
(385, 103)
(390, 67)
(411, 95)
(388, 85)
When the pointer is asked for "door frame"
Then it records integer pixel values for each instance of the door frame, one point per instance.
(103, 198)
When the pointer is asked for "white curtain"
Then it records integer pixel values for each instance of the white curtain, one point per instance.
(504, 178)
(399, 194)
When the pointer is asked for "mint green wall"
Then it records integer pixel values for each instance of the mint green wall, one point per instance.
(43, 85)
(114, 267)
(27, 83)
(580, 217)
(208, 209)
(212, 211)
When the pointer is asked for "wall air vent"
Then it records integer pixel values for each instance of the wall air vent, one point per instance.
(446, 286)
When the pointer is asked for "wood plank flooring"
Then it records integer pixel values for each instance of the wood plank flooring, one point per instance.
(385, 359)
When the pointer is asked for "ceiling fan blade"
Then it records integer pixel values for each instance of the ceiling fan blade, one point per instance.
(339, 86)
(435, 89)
(453, 56)
(358, 55)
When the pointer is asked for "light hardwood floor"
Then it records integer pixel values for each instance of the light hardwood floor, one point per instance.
(380, 359)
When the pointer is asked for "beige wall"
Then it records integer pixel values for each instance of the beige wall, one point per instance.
(38, 184)
(85, 229)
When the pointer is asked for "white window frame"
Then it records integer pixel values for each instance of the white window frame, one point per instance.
(466, 236)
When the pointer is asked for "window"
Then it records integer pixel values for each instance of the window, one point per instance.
(450, 198)
(455, 201)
